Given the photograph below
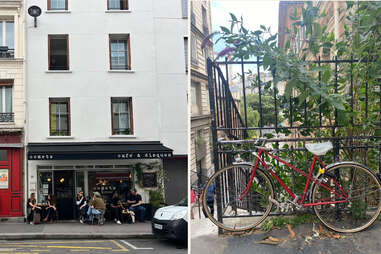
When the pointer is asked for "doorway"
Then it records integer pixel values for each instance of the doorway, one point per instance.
(64, 193)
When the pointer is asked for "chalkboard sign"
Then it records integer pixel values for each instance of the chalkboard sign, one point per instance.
(149, 180)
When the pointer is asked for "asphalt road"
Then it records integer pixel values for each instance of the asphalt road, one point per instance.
(92, 246)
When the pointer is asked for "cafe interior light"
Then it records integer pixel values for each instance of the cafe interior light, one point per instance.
(49, 179)
(62, 180)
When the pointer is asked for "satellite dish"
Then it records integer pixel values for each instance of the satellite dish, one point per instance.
(34, 11)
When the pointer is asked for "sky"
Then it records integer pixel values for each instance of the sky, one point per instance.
(254, 13)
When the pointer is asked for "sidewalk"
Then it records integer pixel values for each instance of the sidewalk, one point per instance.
(70, 230)
(205, 239)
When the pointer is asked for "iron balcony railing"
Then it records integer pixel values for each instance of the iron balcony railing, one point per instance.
(6, 52)
(6, 117)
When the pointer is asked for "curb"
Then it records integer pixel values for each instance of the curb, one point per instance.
(54, 236)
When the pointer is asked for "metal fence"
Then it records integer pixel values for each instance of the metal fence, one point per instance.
(230, 121)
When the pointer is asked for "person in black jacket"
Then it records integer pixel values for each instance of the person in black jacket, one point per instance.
(82, 206)
(116, 208)
(51, 209)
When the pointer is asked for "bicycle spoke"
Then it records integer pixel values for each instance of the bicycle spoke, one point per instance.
(362, 206)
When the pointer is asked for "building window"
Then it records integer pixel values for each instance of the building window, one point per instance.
(193, 16)
(122, 119)
(205, 28)
(186, 53)
(57, 4)
(58, 52)
(193, 50)
(7, 36)
(120, 56)
(6, 100)
(196, 99)
(184, 7)
(59, 110)
(117, 4)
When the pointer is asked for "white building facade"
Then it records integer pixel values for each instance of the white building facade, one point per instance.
(106, 98)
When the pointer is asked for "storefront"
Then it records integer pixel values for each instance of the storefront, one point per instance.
(64, 169)
(11, 175)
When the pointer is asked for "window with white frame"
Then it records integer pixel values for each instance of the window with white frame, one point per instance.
(122, 119)
(7, 37)
(57, 4)
(59, 114)
(117, 4)
(196, 99)
(186, 53)
(120, 56)
(6, 108)
(184, 7)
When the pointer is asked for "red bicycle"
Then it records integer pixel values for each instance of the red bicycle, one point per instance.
(345, 196)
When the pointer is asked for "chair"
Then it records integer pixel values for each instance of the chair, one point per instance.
(99, 217)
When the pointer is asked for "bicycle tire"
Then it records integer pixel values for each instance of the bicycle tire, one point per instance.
(355, 214)
(232, 190)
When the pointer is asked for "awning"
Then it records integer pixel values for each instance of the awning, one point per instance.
(98, 150)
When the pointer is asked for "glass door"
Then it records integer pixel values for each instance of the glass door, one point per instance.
(64, 184)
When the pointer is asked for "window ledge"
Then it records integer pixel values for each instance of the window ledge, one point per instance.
(122, 71)
(57, 11)
(118, 11)
(60, 137)
(122, 136)
(59, 71)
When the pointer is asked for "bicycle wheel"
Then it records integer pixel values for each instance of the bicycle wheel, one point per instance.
(361, 208)
(238, 212)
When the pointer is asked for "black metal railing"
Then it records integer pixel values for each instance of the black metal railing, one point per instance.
(6, 52)
(230, 121)
(6, 117)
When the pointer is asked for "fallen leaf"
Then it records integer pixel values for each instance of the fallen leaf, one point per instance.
(292, 233)
(273, 239)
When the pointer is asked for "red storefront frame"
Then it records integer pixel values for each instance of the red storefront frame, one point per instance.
(11, 198)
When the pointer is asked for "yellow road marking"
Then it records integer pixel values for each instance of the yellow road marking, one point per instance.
(64, 247)
(12, 243)
(79, 250)
(41, 250)
(122, 248)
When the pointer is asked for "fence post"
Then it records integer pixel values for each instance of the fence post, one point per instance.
(214, 138)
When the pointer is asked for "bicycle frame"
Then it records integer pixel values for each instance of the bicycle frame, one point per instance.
(342, 196)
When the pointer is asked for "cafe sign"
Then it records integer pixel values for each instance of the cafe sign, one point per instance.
(4, 178)
(100, 156)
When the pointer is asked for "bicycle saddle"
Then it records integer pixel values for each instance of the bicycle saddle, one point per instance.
(319, 148)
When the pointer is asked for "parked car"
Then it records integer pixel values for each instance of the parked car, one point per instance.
(172, 221)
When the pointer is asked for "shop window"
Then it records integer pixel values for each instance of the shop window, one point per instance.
(120, 56)
(59, 116)
(7, 39)
(57, 4)
(58, 52)
(122, 119)
(117, 4)
(150, 180)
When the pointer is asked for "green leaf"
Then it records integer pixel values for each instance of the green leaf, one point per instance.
(225, 30)
(234, 18)
(263, 27)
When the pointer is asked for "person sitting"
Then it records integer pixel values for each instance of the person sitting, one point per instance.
(51, 210)
(82, 206)
(32, 208)
(135, 201)
(97, 206)
(116, 208)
